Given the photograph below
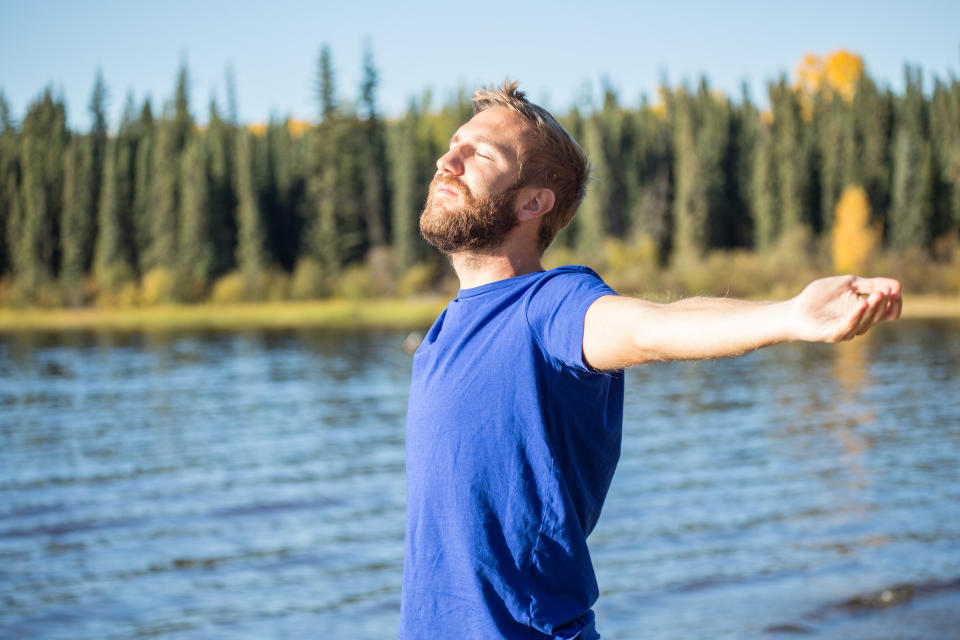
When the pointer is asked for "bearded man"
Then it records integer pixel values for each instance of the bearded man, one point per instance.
(516, 402)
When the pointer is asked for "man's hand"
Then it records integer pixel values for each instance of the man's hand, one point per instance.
(842, 307)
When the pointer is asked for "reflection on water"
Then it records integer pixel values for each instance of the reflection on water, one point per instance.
(250, 485)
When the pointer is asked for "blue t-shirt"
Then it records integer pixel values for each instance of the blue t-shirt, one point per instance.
(512, 441)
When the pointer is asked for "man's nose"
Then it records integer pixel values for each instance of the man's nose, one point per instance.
(451, 162)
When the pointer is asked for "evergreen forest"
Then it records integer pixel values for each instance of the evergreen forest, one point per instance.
(692, 191)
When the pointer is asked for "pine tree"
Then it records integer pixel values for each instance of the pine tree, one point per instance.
(6, 121)
(690, 205)
(128, 142)
(325, 86)
(790, 157)
(591, 220)
(141, 215)
(195, 248)
(283, 182)
(111, 262)
(98, 135)
(745, 123)
(163, 204)
(43, 143)
(12, 221)
(77, 225)
(945, 136)
(171, 135)
(614, 137)
(713, 155)
(251, 254)
(764, 193)
(911, 194)
(574, 123)
(834, 125)
(374, 157)
(9, 192)
(182, 120)
(407, 187)
(322, 241)
(872, 114)
(219, 143)
(654, 161)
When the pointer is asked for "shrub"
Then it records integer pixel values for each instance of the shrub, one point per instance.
(355, 282)
(275, 285)
(417, 279)
(157, 286)
(123, 296)
(307, 280)
(229, 289)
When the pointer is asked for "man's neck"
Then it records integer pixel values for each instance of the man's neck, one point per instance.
(475, 269)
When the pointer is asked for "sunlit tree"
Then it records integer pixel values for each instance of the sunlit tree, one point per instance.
(853, 239)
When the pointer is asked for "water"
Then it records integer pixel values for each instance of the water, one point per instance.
(250, 485)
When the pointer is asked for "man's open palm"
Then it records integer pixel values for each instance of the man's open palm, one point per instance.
(841, 307)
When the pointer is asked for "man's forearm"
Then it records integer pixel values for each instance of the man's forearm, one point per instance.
(697, 328)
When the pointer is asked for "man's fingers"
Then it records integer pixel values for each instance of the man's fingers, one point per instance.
(883, 302)
(876, 285)
(876, 307)
(853, 325)
(864, 320)
(894, 308)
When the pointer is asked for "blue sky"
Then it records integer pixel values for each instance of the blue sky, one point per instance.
(559, 50)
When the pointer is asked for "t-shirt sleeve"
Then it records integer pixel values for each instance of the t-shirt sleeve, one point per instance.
(556, 308)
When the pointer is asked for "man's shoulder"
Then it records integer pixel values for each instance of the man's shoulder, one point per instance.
(571, 269)
(564, 280)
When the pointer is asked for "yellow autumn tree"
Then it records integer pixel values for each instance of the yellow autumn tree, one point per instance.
(853, 239)
(810, 74)
(838, 72)
(843, 71)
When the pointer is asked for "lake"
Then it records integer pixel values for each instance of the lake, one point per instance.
(250, 485)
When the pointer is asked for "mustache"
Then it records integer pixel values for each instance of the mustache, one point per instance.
(450, 181)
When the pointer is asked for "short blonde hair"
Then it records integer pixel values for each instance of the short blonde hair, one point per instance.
(554, 160)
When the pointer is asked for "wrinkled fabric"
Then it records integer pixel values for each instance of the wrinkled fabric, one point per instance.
(511, 445)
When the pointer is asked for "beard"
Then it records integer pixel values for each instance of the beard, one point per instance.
(478, 224)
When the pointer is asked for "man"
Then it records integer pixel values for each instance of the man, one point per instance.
(514, 420)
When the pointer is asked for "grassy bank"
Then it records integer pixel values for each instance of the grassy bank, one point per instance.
(931, 307)
(334, 314)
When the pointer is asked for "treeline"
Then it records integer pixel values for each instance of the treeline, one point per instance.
(166, 210)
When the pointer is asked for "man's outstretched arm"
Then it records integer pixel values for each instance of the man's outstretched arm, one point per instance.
(621, 332)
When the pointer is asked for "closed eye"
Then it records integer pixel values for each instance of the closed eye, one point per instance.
(484, 153)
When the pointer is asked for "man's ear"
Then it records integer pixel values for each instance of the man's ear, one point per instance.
(534, 202)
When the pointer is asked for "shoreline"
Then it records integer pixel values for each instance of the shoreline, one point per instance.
(332, 314)
(390, 313)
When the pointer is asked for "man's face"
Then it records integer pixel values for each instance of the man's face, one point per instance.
(470, 205)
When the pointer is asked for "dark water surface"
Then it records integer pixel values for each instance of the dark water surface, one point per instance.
(250, 485)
